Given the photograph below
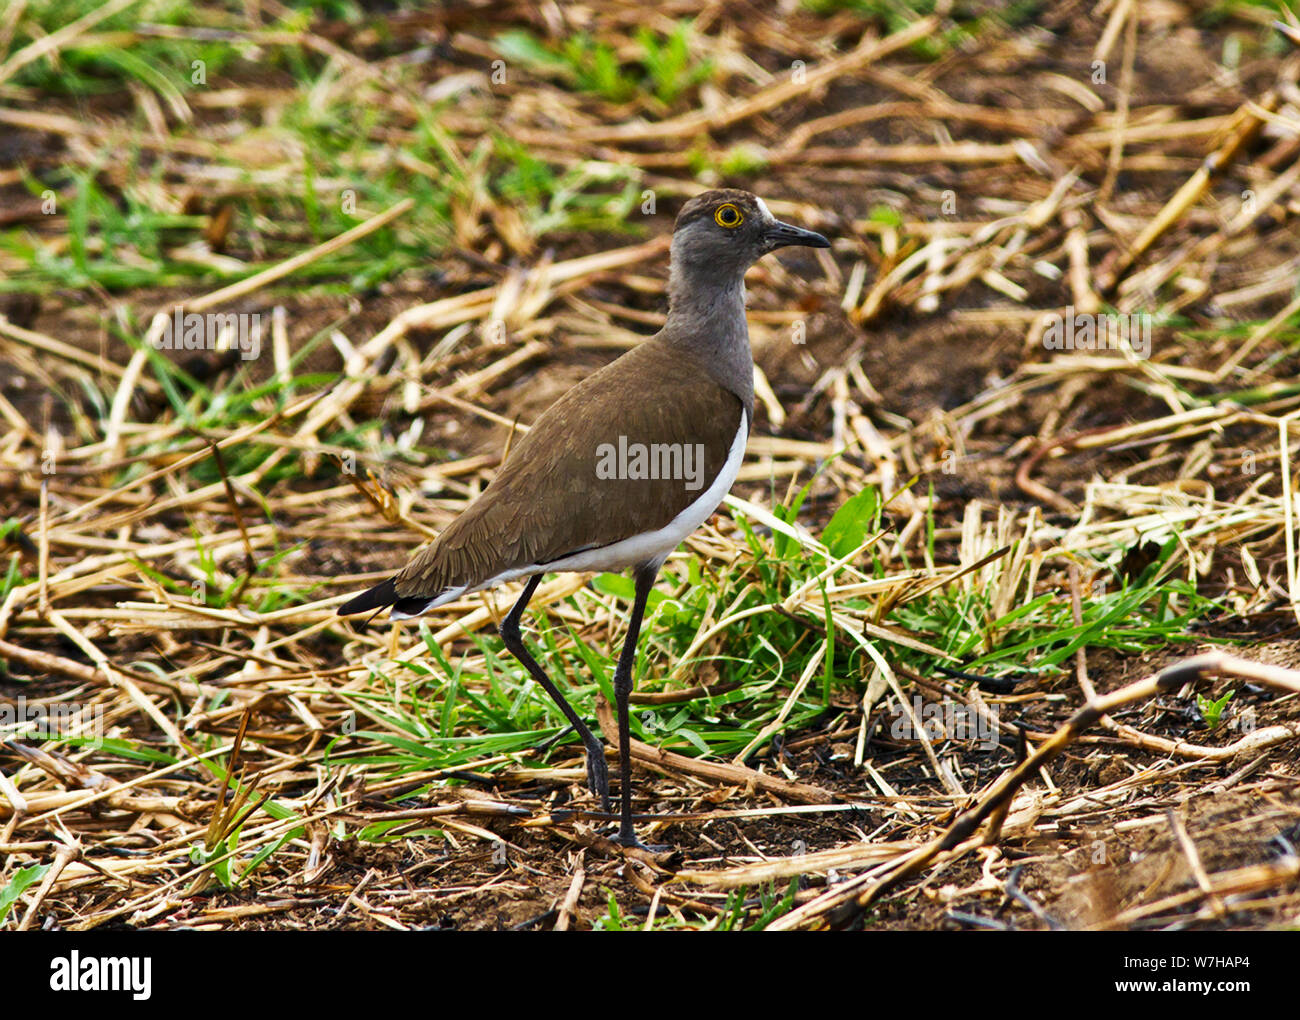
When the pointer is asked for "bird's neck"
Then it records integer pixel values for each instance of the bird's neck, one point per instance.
(707, 320)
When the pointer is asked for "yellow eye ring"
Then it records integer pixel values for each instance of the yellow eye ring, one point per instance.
(728, 216)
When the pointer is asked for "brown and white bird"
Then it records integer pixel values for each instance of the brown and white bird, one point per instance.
(619, 470)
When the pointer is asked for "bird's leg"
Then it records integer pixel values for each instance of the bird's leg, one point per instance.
(645, 579)
(597, 770)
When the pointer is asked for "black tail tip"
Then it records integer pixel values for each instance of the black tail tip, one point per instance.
(381, 595)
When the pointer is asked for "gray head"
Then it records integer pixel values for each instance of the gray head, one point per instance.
(720, 234)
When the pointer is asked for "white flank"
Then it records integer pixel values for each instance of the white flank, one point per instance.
(648, 547)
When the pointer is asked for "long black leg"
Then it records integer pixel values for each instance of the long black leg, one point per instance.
(597, 770)
(645, 579)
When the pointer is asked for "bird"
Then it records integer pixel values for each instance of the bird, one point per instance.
(622, 467)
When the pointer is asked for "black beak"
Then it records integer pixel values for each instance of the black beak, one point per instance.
(782, 235)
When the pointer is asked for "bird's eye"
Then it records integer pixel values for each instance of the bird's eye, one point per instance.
(728, 216)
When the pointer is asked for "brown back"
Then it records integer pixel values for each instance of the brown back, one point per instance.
(548, 500)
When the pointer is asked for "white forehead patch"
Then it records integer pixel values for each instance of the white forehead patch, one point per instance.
(762, 206)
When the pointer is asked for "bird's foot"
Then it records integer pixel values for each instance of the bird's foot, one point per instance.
(628, 841)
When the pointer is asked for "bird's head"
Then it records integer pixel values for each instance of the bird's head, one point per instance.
(722, 233)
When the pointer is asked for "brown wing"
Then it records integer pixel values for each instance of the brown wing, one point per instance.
(554, 495)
